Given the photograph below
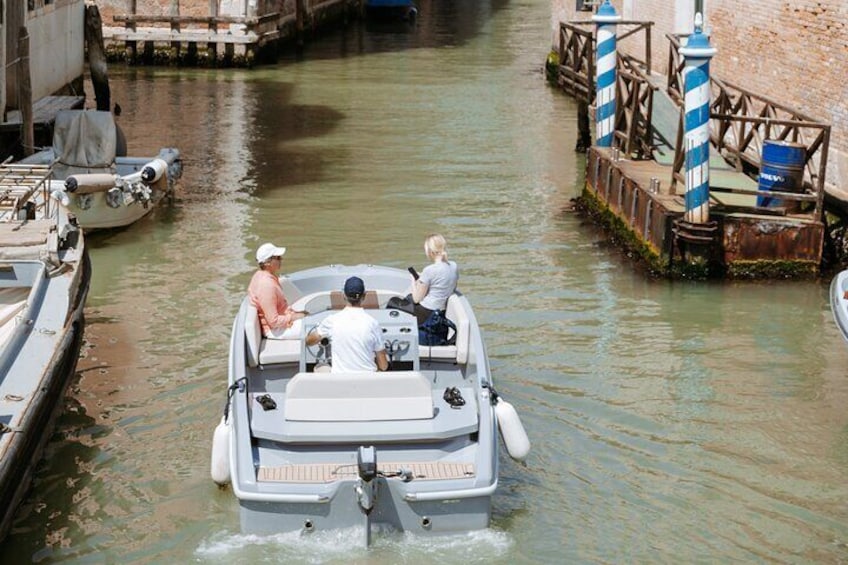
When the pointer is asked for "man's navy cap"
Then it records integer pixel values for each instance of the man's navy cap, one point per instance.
(354, 287)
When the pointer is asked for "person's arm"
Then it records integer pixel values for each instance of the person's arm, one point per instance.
(313, 337)
(382, 360)
(419, 290)
(267, 303)
(320, 331)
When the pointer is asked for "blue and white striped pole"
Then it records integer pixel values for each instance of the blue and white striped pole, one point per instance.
(605, 58)
(696, 78)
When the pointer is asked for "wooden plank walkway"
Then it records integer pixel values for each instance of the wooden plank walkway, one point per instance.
(44, 110)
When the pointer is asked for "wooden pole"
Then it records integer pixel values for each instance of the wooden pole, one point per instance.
(131, 46)
(299, 15)
(25, 89)
(97, 57)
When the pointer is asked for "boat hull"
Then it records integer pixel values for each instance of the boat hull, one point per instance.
(839, 302)
(391, 513)
(98, 215)
(23, 453)
(303, 464)
(391, 10)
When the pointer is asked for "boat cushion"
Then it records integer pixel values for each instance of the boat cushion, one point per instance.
(359, 397)
(458, 352)
(261, 351)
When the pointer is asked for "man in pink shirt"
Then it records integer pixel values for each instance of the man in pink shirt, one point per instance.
(278, 321)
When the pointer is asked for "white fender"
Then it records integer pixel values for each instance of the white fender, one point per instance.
(513, 434)
(60, 196)
(153, 171)
(86, 183)
(221, 453)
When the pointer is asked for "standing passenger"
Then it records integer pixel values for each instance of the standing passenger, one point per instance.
(278, 321)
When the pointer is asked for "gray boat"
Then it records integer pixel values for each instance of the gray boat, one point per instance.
(839, 301)
(44, 278)
(413, 449)
(95, 181)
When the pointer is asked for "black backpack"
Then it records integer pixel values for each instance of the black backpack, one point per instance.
(436, 329)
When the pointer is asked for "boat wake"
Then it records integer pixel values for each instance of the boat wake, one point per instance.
(345, 545)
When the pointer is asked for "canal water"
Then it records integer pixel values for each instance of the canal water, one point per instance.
(670, 421)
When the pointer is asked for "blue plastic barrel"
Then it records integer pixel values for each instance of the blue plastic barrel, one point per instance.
(782, 170)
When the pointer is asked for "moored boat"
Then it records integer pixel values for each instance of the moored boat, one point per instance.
(839, 301)
(411, 449)
(44, 278)
(96, 184)
(391, 9)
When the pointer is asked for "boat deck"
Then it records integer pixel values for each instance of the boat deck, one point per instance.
(331, 472)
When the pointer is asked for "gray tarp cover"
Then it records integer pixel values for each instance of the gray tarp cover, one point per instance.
(84, 138)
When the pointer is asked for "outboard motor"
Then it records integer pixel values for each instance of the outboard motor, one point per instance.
(366, 488)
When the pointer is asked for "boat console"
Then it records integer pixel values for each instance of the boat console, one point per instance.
(400, 333)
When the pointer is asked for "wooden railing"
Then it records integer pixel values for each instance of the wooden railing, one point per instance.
(576, 61)
(675, 68)
(635, 95)
(577, 54)
(740, 121)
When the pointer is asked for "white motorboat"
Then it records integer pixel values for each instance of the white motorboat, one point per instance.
(100, 188)
(839, 301)
(44, 278)
(412, 449)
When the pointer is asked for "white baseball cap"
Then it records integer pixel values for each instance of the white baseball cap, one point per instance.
(268, 250)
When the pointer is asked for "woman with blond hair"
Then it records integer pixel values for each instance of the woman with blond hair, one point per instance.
(431, 290)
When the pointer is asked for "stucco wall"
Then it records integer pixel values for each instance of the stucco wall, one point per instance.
(57, 57)
(792, 51)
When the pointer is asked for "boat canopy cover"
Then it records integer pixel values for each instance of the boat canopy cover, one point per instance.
(85, 138)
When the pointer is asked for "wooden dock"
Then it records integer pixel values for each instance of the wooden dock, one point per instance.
(741, 241)
(637, 186)
(44, 111)
(217, 38)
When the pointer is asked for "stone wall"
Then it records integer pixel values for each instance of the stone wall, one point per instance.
(794, 52)
(109, 8)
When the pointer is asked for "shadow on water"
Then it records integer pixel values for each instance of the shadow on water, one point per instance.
(65, 481)
(440, 23)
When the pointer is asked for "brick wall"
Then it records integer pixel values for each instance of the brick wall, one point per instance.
(794, 52)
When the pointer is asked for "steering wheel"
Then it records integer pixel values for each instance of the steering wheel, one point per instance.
(320, 351)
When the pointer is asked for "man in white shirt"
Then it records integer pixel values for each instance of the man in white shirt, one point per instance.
(356, 337)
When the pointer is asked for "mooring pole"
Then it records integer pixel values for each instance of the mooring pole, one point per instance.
(605, 59)
(696, 78)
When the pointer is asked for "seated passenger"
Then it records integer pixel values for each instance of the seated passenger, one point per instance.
(431, 290)
(278, 321)
(357, 339)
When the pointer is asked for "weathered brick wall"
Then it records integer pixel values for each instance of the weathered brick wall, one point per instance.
(794, 52)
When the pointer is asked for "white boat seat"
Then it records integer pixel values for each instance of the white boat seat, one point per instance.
(444, 422)
(358, 397)
(459, 352)
(261, 351)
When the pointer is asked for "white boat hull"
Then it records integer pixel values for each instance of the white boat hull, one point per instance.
(839, 302)
(336, 452)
